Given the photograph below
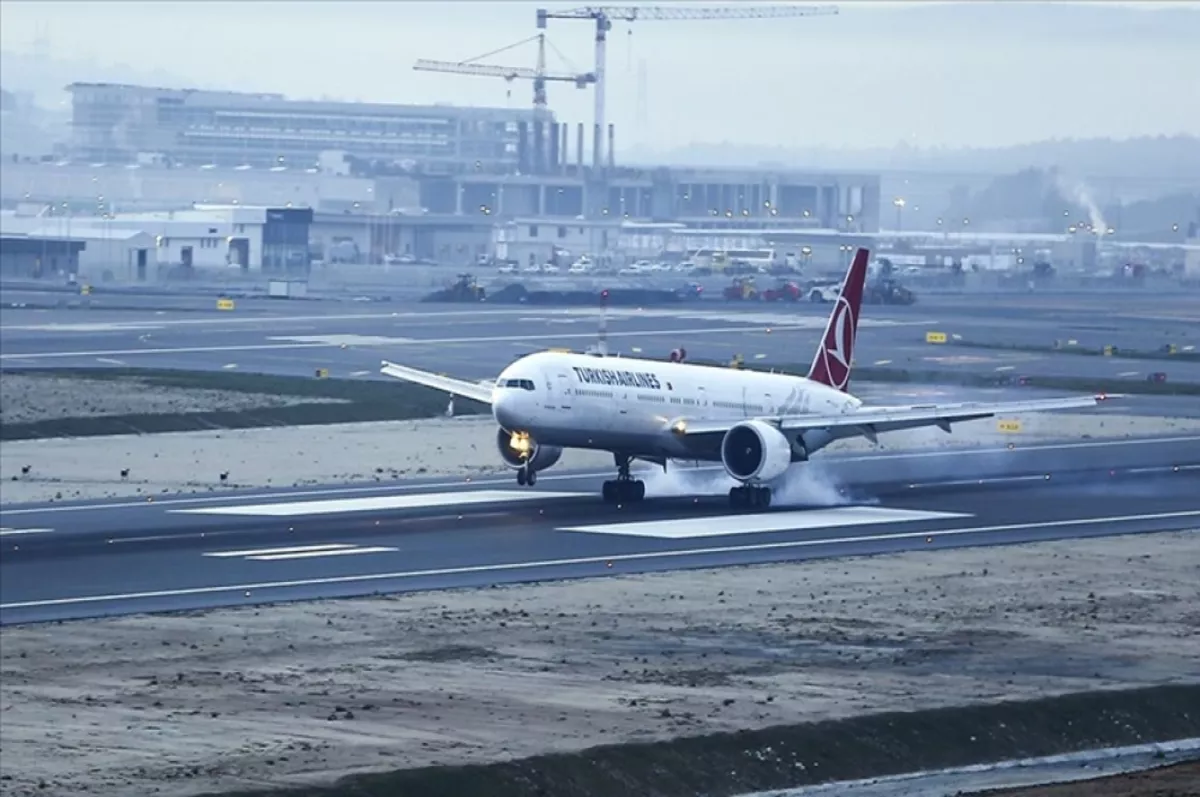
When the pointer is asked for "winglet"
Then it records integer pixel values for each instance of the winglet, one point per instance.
(831, 365)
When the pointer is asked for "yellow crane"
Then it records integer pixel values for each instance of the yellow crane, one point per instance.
(604, 16)
(538, 74)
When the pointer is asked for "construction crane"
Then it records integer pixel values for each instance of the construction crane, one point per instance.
(538, 74)
(603, 16)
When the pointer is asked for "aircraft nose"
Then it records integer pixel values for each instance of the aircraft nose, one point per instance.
(506, 410)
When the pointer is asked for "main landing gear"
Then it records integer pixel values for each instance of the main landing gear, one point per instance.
(526, 475)
(625, 489)
(749, 496)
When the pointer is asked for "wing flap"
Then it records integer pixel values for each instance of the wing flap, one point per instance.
(447, 384)
(872, 420)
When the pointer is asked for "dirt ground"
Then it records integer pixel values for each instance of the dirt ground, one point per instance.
(24, 399)
(1180, 780)
(306, 692)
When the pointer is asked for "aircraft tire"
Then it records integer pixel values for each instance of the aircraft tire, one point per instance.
(624, 491)
(749, 496)
(521, 479)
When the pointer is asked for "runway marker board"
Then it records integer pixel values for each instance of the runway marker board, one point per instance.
(798, 520)
(300, 552)
(381, 502)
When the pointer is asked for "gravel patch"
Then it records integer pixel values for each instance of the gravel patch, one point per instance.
(27, 399)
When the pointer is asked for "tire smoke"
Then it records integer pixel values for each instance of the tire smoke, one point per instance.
(805, 484)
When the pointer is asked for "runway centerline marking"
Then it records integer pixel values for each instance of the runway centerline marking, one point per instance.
(799, 520)
(376, 503)
(467, 484)
(300, 552)
(7, 532)
(589, 560)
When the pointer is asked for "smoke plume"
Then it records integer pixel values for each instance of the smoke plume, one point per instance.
(1078, 192)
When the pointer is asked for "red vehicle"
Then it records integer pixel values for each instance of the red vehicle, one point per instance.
(787, 291)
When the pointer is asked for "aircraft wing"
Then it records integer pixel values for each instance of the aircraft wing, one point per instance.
(869, 421)
(447, 384)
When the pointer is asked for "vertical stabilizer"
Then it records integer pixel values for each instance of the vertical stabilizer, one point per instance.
(831, 365)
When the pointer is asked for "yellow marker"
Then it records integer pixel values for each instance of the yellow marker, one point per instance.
(85, 289)
(224, 304)
(322, 373)
(1008, 426)
(935, 337)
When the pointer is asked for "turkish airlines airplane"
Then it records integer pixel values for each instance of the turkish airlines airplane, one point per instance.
(755, 424)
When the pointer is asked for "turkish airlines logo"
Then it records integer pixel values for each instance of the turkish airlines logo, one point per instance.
(839, 345)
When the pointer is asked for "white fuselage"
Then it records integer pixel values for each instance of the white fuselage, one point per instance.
(631, 405)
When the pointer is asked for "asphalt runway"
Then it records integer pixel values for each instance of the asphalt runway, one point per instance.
(63, 561)
(473, 341)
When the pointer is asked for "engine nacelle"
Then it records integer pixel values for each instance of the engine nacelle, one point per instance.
(517, 449)
(755, 451)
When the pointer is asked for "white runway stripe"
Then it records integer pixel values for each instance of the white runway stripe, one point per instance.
(719, 525)
(299, 552)
(294, 549)
(7, 532)
(380, 502)
(313, 554)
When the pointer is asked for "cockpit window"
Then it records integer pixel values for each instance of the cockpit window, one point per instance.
(523, 384)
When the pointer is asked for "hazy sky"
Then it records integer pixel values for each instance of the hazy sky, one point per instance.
(928, 73)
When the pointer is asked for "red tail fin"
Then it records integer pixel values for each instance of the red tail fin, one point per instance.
(831, 365)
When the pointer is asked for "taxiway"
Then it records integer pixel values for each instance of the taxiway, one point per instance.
(119, 557)
(350, 339)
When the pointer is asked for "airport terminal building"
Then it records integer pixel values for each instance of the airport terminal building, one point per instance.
(116, 123)
(460, 179)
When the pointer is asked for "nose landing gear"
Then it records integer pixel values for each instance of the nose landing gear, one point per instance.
(625, 489)
(526, 475)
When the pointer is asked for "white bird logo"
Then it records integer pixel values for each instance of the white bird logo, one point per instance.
(837, 348)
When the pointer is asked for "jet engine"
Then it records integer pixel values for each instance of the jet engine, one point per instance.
(518, 448)
(754, 451)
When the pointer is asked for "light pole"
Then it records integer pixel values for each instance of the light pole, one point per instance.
(899, 203)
